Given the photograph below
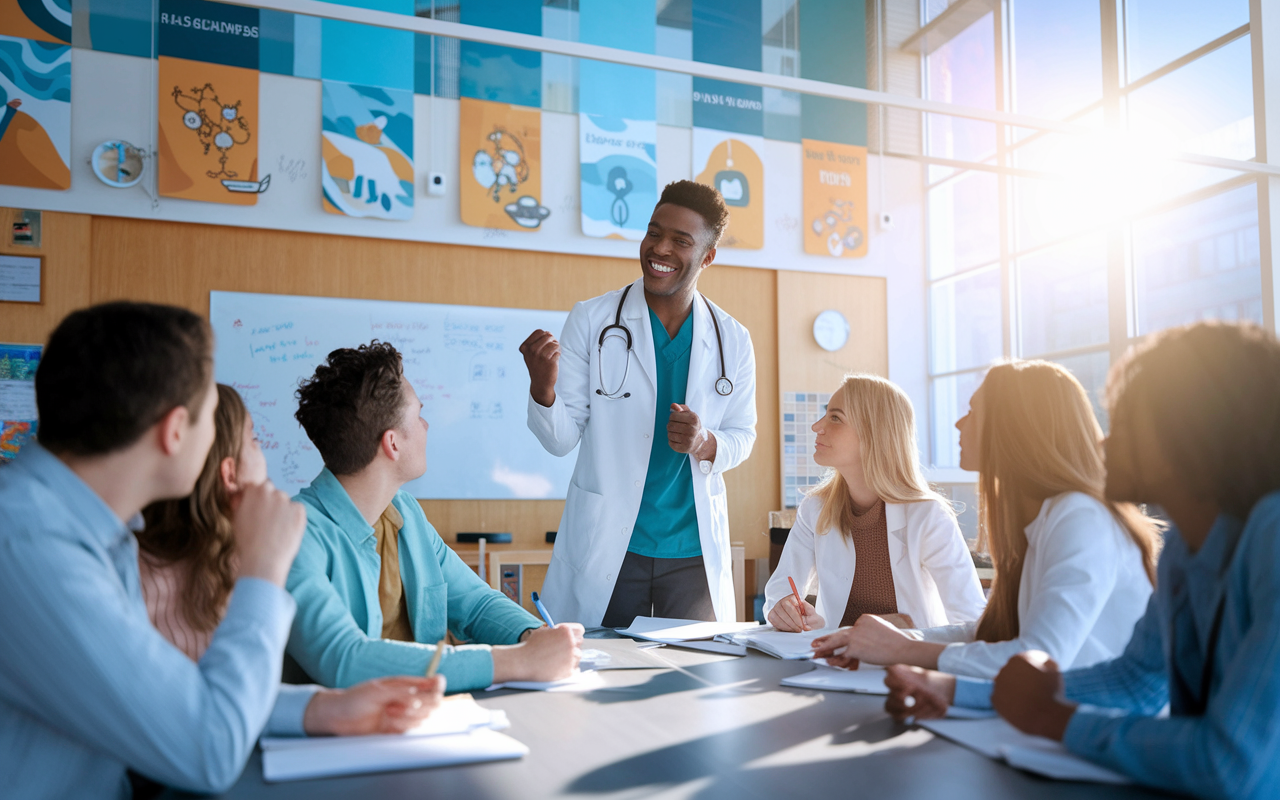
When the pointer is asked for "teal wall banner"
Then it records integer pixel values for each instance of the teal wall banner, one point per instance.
(617, 128)
(365, 54)
(501, 74)
(833, 48)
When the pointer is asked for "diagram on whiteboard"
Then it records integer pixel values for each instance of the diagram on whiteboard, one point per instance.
(464, 362)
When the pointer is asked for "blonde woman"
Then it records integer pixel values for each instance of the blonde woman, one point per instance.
(1073, 571)
(873, 536)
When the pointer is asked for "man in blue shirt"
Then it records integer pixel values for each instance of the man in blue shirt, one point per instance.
(376, 586)
(656, 387)
(88, 688)
(1194, 429)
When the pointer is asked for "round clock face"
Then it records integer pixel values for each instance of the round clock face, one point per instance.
(118, 164)
(831, 330)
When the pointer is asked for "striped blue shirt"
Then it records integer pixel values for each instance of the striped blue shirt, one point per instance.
(1227, 743)
(88, 688)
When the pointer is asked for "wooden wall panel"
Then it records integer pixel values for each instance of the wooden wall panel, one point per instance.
(181, 263)
(806, 367)
(65, 246)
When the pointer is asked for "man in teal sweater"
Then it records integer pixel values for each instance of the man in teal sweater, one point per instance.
(376, 587)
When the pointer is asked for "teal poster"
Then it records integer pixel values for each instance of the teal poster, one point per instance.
(617, 127)
(367, 151)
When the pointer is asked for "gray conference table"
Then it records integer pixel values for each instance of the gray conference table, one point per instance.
(716, 727)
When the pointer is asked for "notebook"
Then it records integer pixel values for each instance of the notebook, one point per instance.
(676, 631)
(998, 740)
(584, 681)
(779, 644)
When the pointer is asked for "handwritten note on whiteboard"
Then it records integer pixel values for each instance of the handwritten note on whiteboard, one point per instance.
(464, 362)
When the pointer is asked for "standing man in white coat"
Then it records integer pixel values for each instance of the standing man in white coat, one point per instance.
(658, 385)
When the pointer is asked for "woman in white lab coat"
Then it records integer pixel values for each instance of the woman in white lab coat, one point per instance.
(873, 537)
(1073, 570)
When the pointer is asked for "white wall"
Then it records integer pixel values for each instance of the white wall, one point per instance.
(114, 97)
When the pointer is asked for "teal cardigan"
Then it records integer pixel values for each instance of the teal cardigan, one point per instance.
(336, 632)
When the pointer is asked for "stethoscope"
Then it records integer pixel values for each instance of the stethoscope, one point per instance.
(724, 386)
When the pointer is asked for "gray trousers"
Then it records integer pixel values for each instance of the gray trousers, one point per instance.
(659, 587)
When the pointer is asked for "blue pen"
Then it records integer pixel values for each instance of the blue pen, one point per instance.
(542, 610)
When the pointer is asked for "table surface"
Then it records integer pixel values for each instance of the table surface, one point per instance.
(710, 727)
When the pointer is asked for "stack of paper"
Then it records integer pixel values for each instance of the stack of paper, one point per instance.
(997, 739)
(459, 732)
(691, 633)
(779, 644)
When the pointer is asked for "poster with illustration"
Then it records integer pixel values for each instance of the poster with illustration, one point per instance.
(18, 418)
(835, 199)
(500, 150)
(41, 20)
(208, 102)
(35, 113)
(619, 163)
(367, 151)
(731, 163)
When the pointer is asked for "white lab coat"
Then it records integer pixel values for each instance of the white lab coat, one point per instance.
(933, 574)
(1083, 589)
(616, 436)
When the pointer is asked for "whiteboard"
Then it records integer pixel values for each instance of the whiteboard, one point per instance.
(464, 362)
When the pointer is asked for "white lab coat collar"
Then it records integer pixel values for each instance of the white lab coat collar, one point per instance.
(635, 314)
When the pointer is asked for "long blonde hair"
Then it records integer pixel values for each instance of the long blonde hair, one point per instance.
(882, 416)
(1039, 439)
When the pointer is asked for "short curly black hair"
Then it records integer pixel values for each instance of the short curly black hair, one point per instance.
(354, 398)
(702, 199)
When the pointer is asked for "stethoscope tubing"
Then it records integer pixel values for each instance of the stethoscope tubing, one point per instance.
(723, 386)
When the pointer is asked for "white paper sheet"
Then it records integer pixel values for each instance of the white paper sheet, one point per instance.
(673, 631)
(866, 680)
(586, 681)
(998, 740)
(364, 754)
(457, 714)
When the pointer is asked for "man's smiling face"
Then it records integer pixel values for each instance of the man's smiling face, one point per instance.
(675, 250)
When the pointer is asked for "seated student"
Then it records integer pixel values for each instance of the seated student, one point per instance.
(1073, 571)
(1194, 429)
(376, 586)
(873, 534)
(188, 565)
(89, 689)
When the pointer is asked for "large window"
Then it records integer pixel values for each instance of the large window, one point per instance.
(1066, 248)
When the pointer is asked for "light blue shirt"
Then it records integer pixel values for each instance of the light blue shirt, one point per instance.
(667, 523)
(336, 637)
(88, 688)
(1232, 748)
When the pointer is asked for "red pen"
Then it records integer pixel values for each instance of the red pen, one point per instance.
(796, 592)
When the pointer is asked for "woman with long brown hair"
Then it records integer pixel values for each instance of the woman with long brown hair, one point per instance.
(187, 562)
(1073, 570)
(873, 536)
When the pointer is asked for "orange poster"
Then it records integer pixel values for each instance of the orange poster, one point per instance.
(208, 132)
(500, 148)
(731, 163)
(835, 199)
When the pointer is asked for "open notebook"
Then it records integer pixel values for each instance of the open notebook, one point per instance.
(997, 739)
(779, 644)
(459, 732)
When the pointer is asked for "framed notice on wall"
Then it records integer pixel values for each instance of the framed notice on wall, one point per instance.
(20, 278)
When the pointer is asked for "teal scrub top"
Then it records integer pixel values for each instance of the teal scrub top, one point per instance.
(667, 525)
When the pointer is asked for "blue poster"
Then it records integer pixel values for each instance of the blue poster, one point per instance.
(617, 128)
(367, 151)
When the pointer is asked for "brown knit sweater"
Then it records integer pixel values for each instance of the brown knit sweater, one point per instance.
(872, 591)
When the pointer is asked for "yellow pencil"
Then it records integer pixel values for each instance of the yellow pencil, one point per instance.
(435, 659)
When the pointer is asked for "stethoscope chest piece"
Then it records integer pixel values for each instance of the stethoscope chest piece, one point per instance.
(724, 387)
